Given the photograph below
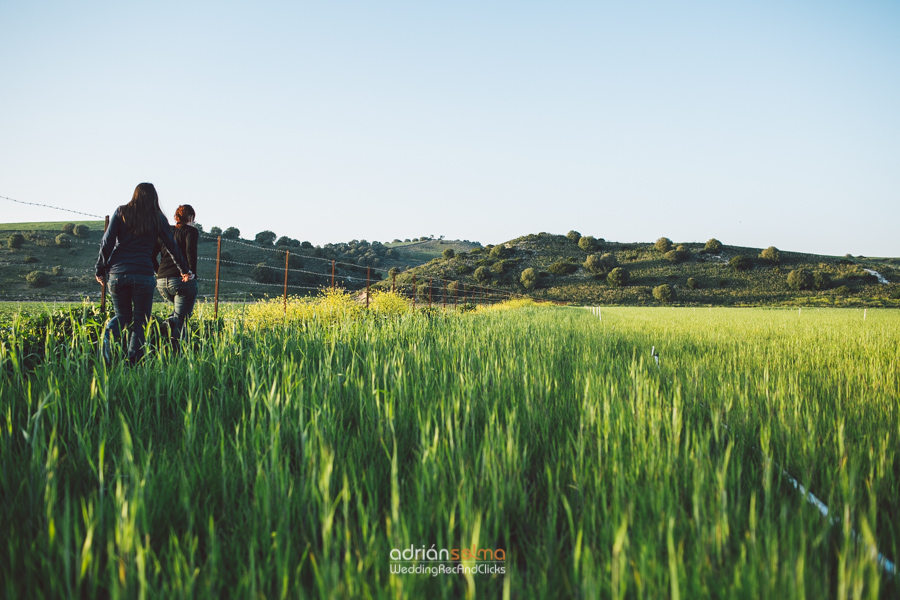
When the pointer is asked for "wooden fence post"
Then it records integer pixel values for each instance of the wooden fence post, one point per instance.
(332, 275)
(287, 257)
(368, 275)
(218, 259)
(105, 276)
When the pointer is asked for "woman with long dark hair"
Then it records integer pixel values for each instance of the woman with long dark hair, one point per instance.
(181, 294)
(126, 260)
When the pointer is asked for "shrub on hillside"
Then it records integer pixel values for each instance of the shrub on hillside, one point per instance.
(282, 241)
(562, 268)
(464, 269)
(448, 253)
(68, 228)
(263, 274)
(574, 236)
(664, 293)
(500, 251)
(801, 279)
(30, 259)
(692, 284)
(232, 233)
(81, 231)
(216, 231)
(713, 246)
(529, 278)
(663, 245)
(618, 277)
(482, 274)
(63, 240)
(16, 240)
(593, 264)
(740, 263)
(57, 270)
(770, 255)
(821, 280)
(587, 243)
(265, 238)
(679, 254)
(38, 279)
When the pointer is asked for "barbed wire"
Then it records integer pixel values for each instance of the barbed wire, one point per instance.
(77, 212)
(472, 291)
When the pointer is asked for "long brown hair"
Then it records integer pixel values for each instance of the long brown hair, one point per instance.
(141, 215)
(183, 214)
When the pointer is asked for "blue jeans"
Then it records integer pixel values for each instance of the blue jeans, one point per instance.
(183, 295)
(132, 298)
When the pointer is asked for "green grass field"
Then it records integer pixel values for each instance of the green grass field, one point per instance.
(282, 459)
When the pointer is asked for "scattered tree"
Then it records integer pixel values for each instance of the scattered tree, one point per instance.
(30, 260)
(679, 254)
(574, 236)
(282, 241)
(16, 240)
(771, 255)
(81, 231)
(482, 274)
(740, 263)
(448, 253)
(69, 228)
(587, 243)
(529, 278)
(232, 233)
(663, 245)
(38, 279)
(265, 238)
(63, 240)
(562, 268)
(713, 246)
(500, 251)
(801, 279)
(821, 280)
(215, 231)
(618, 277)
(263, 274)
(664, 293)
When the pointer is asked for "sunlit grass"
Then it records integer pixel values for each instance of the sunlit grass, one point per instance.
(281, 455)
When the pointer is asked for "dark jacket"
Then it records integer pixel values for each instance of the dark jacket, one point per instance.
(186, 239)
(123, 252)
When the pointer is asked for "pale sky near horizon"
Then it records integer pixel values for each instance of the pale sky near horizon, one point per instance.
(758, 123)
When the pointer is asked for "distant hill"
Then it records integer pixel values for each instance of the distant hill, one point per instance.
(696, 276)
(248, 270)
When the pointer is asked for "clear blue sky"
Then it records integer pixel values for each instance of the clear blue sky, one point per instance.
(758, 123)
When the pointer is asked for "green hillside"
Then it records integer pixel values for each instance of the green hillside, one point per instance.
(562, 271)
(248, 269)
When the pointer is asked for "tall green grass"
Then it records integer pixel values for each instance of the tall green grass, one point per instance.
(289, 458)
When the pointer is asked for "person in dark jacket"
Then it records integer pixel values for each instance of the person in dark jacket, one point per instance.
(126, 260)
(181, 294)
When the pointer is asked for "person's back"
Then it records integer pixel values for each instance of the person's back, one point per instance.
(125, 263)
(181, 294)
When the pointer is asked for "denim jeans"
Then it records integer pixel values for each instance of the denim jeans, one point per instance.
(132, 298)
(183, 295)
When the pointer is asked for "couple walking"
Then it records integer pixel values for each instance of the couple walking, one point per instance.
(137, 233)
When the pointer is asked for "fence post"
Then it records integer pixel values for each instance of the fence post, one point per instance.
(332, 275)
(287, 257)
(218, 258)
(368, 274)
(105, 277)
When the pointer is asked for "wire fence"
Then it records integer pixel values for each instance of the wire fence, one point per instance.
(332, 274)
